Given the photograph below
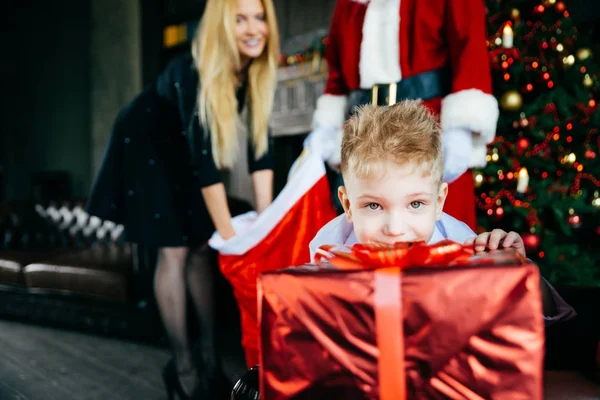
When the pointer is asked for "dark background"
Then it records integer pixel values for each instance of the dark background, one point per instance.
(48, 78)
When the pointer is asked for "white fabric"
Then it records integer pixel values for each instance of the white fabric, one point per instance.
(330, 111)
(457, 145)
(252, 229)
(324, 141)
(475, 111)
(241, 225)
(328, 121)
(380, 46)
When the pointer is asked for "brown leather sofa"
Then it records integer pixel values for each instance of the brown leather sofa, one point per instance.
(62, 267)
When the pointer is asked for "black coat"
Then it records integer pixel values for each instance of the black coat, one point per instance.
(157, 160)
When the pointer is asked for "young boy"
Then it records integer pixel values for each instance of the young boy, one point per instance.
(392, 169)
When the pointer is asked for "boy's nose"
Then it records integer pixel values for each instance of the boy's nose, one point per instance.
(395, 226)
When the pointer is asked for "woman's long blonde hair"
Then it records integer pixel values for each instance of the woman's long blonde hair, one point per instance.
(218, 61)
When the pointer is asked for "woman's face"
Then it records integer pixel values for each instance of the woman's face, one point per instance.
(251, 29)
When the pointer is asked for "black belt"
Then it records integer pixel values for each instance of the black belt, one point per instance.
(424, 86)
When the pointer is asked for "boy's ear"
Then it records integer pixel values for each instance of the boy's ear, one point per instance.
(441, 199)
(345, 202)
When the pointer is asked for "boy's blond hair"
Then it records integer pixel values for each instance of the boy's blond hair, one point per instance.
(406, 132)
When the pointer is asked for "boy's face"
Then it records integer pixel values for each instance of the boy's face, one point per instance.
(400, 206)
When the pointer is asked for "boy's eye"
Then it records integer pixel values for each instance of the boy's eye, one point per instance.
(416, 204)
(373, 206)
(239, 19)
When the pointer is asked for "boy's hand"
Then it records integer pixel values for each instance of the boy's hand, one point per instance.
(497, 239)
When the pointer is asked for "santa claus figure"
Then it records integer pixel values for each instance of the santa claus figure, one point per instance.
(383, 51)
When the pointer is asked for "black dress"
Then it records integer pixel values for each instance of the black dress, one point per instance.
(157, 160)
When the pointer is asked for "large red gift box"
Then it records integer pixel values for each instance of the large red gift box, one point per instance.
(412, 321)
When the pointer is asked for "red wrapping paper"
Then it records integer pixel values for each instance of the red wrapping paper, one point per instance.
(440, 324)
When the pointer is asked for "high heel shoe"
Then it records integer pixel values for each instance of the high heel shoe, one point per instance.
(173, 384)
(247, 387)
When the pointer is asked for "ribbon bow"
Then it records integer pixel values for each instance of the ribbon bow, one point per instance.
(399, 255)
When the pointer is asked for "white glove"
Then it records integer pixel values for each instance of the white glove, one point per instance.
(325, 141)
(457, 145)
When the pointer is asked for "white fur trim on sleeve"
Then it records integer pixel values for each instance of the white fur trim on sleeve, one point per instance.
(331, 111)
(476, 111)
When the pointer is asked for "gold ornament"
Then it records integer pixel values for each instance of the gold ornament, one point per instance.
(596, 201)
(583, 53)
(511, 101)
(495, 157)
(569, 159)
(588, 82)
(515, 13)
(568, 60)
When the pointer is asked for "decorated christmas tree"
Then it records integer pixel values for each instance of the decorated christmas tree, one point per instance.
(542, 178)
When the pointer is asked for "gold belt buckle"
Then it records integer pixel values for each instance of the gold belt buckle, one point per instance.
(391, 95)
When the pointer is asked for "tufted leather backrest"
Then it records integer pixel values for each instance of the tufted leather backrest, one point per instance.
(28, 225)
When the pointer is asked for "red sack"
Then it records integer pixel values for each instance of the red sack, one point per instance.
(278, 238)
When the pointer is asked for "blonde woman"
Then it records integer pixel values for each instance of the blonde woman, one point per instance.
(162, 178)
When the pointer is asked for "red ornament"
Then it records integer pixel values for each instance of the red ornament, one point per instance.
(532, 122)
(560, 6)
(575, 221)
(598, 231)
(549, 108)
(590, 155)
(531, 241)
(522, 144)
(499, 214)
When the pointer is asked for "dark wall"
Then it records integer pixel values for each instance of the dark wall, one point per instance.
(298, 16)
(45, 123)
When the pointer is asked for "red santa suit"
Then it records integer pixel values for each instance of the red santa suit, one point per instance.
(386, 41)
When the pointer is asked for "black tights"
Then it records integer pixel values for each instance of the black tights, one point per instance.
(180, 271)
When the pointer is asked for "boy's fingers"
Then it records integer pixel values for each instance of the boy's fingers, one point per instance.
(511, 239)
(469, 241)
(495, 238)
(481, 241)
